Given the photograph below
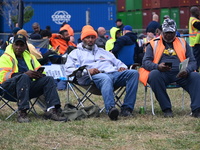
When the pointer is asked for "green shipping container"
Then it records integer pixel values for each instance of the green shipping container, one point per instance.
(175, 15)
(133, 5)
(163, 12)
(122, 16)
(134, 19)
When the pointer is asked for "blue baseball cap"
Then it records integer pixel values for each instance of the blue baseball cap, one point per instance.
(127, 27)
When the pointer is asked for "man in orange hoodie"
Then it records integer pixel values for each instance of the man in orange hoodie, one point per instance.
(62, 39)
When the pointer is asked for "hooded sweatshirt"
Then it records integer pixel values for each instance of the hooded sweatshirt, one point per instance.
(97, 58)
(110, 43)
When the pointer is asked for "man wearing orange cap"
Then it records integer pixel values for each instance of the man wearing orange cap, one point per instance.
(107, 72)
(63, 40)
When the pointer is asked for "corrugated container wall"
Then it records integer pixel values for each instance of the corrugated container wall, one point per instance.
(160, 3)
(122, 16)
(174, 3)
(101, 14)
(194, 2)
(133, 5)
(134, 19)
(121, 5)
(184, 17)
(146, 4)
(147, 16)
(184, 3)
(175, 15)
(163, 12)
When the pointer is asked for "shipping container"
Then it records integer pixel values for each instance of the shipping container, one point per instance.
(184, 17)
(155, 4)
(146, 4)
(134, 19)
(121, 5)
(184, 3)
(163, 12)
(194, 2)
(148, 16)
(133, 4)
(122, 16)
(69, 1)
(101, 14)
(175, 15)
(174, 3)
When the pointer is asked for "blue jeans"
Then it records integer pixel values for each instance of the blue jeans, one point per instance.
(158, 81)
(107, 81)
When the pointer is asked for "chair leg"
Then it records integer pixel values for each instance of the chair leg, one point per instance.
(145, 98)
(152, 102)
(183, 99)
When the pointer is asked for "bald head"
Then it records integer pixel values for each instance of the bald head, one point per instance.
(195, 11)
(155, 17)
(101, 31)
(36, 27)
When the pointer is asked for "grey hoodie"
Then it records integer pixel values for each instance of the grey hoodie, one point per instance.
(96, 58)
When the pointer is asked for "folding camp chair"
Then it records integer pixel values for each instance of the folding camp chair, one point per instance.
(170, 86)
(91, 89)
(6, 98)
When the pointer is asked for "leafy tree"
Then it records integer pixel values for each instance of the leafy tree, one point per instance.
(9, 11)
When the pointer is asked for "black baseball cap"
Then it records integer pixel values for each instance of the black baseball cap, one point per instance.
(19, 37)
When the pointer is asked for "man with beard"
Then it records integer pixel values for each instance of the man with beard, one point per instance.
(157, 72)
(63, 40)
(107, 72)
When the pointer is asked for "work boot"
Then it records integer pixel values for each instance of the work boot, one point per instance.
(168, 113)
(125, 112)
(196, 113)
(113, 113)
(54, 114)
(22, 117)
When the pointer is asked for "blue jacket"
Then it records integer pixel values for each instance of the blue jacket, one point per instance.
(129, 38)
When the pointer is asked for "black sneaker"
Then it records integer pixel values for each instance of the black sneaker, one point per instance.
(113, 113)
(125, 112)
(54, 114)
(22, 117)
(196, 113)
(168, 113)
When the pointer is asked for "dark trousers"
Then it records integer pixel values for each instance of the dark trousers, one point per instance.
(196, 52)
(158, 81)
(24, 88)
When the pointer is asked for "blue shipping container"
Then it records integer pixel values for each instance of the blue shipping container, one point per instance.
(71, 1)
(54, 14)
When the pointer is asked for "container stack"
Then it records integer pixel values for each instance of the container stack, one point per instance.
(138, 13)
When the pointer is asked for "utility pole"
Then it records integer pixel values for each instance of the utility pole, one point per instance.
(21, 13)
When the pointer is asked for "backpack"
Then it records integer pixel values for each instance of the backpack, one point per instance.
(73, 113)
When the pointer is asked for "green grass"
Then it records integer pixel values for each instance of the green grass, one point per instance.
(140, 132)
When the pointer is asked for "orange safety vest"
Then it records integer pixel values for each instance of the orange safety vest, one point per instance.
(158, 48)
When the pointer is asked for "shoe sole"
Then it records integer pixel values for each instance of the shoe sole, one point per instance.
(114, 114)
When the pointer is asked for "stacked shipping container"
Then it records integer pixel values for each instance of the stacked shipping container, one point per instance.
(55, 12)
(138, 13)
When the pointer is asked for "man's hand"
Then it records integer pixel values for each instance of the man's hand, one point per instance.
(182, 74)
(34, 74)
(94, 71)
(121, 69)
(163, 68)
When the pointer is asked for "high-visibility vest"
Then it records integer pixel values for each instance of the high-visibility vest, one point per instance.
(194, 34)
(158, 47)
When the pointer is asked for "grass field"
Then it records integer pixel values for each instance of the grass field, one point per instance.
(140, 132)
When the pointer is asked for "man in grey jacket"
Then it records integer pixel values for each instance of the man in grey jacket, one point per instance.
(107, 72)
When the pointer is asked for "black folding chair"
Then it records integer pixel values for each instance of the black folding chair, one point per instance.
(6, 98)
(83, 93)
